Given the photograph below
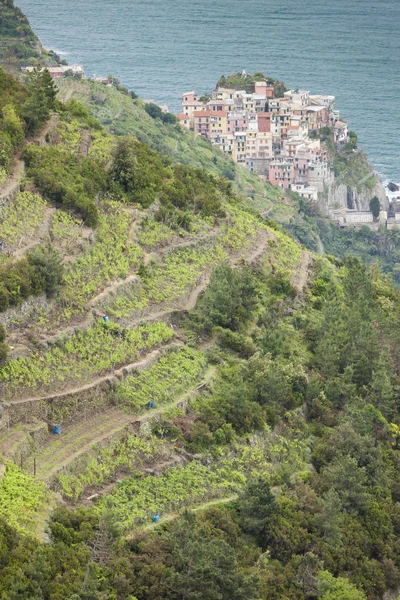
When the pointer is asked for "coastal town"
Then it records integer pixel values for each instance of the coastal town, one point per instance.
(275, 137)
(280, 135)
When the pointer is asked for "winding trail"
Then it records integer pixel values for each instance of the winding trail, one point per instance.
(172, 516)
(148, 360)
(79, 439)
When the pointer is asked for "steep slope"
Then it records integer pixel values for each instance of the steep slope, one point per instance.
(172, 349)
(18, 43)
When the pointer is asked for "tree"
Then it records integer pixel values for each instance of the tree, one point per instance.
(49, 266)
(381, 384)
(205, 567)
(338, 588)
(138, 171)
(257, 507)
(41, 98)
(375, 207)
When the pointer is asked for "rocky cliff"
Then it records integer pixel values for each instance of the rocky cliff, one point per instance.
(340, 195)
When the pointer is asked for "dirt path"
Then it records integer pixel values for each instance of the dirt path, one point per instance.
(50, 125)
(255, 253)
(75, 441)
(13, 183)
(251, 255)
(141, 364)
(172, 516)
(113, 287)
(301, 277)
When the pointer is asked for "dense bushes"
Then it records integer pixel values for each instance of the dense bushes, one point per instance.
(190, 192)
(67, 180)
(155, 112)
(228, 300)
(40, 272)
(23, 111)
(138, 172)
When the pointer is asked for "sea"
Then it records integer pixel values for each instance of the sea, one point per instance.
(162, 48)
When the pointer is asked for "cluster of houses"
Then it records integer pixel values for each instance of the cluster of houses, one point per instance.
(270, 136)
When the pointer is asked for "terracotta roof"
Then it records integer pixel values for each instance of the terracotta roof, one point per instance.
(182, 117)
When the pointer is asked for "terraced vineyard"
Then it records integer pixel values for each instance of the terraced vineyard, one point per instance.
(20, 219)
(87, 353)
(136, 499)
(166, 348)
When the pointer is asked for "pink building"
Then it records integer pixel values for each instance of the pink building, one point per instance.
(201, 122)
(281, 172)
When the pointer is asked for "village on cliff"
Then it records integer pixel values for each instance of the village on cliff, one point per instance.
(279, 138)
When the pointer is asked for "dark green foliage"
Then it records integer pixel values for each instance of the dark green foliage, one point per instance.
(257, 507)
(138, 171)
(40, 272)
(4, 349)
(228, 300)
(155, 112)
(49, 267)
(193, 560)
(18, 40)
(375, 206)
(238, 81)
(40, 100)
(189, 192)
(67, 180)
(20, 280)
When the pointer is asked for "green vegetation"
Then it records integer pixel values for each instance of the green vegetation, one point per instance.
(40, 272)
(169, 378)
(126, 455)
(375, 207)
(112, 256)
(276, 419)
(18, 42)
(350, 165)
(3, 346)
(20, 219)
(20, 497)
(85, 354)
(155, 112)
(67, 180)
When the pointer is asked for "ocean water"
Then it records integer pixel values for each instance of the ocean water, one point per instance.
(162, 48)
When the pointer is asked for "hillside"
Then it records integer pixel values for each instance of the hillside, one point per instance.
(120, 114)
(166, 349)
(18, 43)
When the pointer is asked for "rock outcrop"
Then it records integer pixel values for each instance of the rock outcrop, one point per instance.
(338, 196)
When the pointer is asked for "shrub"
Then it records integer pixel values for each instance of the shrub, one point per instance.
(4, 299)
(73, 181)
(138, 171)
(3, 352)
(49, 267)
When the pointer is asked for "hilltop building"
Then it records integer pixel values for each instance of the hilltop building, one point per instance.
(274, 137)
